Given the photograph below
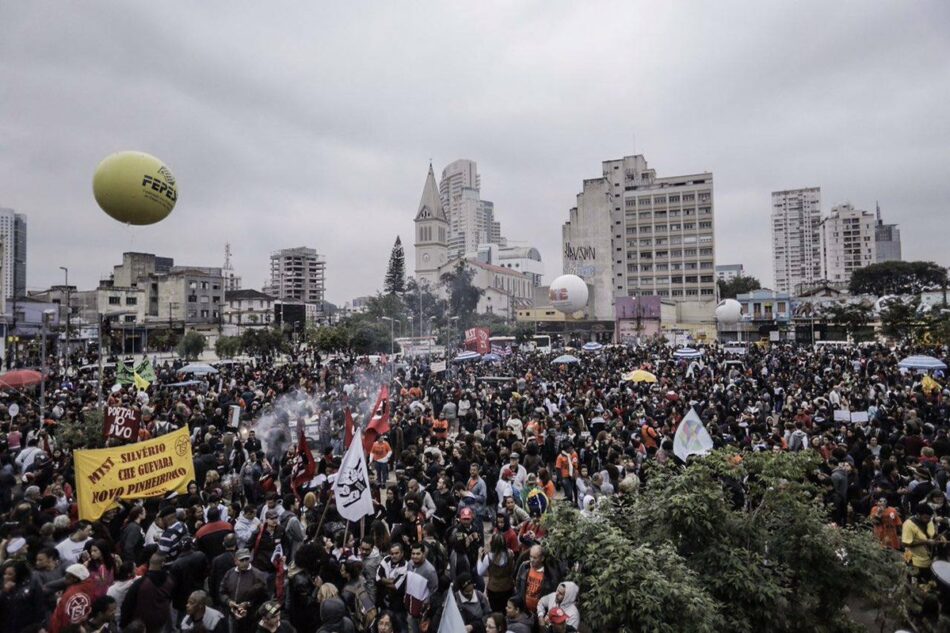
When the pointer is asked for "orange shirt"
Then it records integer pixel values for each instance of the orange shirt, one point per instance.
(380, 450)
(532, 591)
(563, 466)
(548, 489)
(887, 526)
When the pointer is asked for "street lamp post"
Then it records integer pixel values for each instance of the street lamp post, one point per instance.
(392, 335)
(68, 311)
(46, 314)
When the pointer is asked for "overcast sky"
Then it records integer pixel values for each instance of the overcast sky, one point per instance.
(291, 124)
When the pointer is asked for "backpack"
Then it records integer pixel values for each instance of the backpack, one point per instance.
(364, 609)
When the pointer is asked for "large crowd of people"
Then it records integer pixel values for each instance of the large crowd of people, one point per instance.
(474, 456)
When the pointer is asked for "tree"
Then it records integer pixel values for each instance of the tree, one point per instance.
(191, 345)
(851, 317)
(684, 554)
(897, 278)
(330, 338)
(395, 281)
(263, 342)
(84, 432)
(463, 295)
(900, 320)
(227, 346)
(737, 286)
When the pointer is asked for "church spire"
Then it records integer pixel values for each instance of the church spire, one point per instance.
(430, 206)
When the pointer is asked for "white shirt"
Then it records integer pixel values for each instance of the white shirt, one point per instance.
(69, 550)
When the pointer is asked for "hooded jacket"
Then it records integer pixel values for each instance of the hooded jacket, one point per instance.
(333, 614)
(568, 605)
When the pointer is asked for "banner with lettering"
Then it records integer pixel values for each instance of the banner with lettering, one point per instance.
(146, 469)
(121, 423)
(477, 340)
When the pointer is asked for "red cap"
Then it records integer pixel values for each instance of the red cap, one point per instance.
(466, 513)
(557, 616)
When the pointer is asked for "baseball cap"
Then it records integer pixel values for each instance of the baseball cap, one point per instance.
(269, 609)
(557, 616)
(271, 514)
(243, 554)
(466, 513)
(77, 571)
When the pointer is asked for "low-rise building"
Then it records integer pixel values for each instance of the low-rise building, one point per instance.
(248, 308)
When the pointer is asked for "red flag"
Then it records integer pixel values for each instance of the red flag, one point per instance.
(304, 467)
(379, 421)
(348, 429)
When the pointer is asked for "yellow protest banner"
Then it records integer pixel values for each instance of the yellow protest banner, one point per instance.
(147, 469)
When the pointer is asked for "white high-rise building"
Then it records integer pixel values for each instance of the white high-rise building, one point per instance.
(471, 219)
(796, 237)
(13, 236)
(297, 274)
(633, 233)
(847, 242)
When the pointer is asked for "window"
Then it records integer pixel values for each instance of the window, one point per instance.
(192, 299)
(131, 301)
(204, 314)
(115, 301)
(130, 318)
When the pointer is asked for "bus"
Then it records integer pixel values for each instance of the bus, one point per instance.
(538, 342)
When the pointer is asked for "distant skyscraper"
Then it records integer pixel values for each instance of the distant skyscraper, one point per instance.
(847, 242)
(471, 219)
(728, 272)
(297, 274)
(887, 239)
(13, 235)
(796, 237)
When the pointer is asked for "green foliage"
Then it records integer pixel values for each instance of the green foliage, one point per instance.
(523, 332)
(896, 278)
(263, 342)
(737, 286)
(851, 317)
(681, 556)
(899, 320)
(86, 432)
(329, 339)
(463, 295)
(191, 345)
(227, 346)
(395, 281)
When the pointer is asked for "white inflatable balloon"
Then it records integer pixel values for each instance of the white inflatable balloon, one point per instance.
(728, 311)
(568, 293)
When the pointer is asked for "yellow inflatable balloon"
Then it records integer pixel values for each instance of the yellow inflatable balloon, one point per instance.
(135, 188)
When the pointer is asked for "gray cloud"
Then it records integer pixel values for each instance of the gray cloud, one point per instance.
(289, 125)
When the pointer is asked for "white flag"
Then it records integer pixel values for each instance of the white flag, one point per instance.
(351, 487)
(691, 437)
(451, 621)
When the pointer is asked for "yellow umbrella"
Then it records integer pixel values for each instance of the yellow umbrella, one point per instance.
(639, 375)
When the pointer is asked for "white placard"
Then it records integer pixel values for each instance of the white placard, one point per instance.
(842, 415)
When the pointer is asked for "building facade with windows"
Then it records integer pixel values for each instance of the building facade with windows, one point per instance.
(847, 242)
(248, 308)
(191, 295)
(796, 237)
(728, 272)
(13, 252)
(297, 274)
(887, 240)
(633, 233)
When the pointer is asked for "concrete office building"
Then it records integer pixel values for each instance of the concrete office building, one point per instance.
(847, 242)
(728, 272)
(796, 237)
(633, 233)
(471, 219)
(13, 265)
(297, 274)
(887, 240)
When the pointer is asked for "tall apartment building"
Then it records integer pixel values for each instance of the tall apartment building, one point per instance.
(13, 267)
(887, 240)
(847, 242)
(633, 233)
(796, 237)
(297, 274)
(471, 219)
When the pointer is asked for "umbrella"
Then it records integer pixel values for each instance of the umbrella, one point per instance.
(565, 359)
(198, 369)
(920, 362)
(640, 375)
(465, 356)
(491, 358)
(687, 352)
(592, 346)
(20, 378)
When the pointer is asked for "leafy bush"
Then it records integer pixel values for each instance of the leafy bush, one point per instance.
(687, 554)
(191, 345)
